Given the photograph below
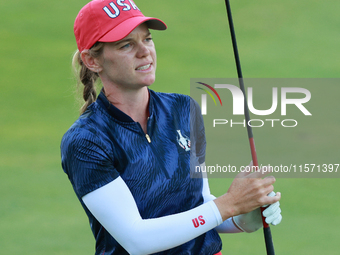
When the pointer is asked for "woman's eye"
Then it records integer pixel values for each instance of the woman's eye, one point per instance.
(126, 46)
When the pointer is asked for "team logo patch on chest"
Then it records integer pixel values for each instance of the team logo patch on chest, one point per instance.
(183, 141)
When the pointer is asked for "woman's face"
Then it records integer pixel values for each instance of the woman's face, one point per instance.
(131, 62)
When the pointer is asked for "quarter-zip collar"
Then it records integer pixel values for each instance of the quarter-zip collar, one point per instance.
(115, 112)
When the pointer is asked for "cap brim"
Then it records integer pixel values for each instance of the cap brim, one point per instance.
(127, 26)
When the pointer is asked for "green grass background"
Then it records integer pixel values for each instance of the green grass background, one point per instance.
(39, 213)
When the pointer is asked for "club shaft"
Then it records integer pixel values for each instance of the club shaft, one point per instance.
(266, 228)
(239, 70)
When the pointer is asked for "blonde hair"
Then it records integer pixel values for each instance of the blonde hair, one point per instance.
(87, 77)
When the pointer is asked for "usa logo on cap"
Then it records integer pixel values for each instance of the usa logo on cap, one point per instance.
(109, 21)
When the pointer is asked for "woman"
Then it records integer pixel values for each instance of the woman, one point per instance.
(128, 155)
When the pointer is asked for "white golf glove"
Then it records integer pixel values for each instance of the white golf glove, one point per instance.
(252, 221)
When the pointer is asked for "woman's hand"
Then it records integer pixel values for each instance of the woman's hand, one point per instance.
(248, 191)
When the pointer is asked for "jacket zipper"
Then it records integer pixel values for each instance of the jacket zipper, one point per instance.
(148, 138)
(149, 141)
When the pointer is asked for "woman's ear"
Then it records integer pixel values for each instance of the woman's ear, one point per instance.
(90, 62)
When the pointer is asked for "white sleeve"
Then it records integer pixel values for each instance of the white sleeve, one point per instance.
(114, 207)
(228, 225)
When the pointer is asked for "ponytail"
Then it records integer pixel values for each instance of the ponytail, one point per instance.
(87, 77)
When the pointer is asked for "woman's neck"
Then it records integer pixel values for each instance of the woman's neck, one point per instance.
(133, 103)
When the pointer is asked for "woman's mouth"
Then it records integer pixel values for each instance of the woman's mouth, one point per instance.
(142, 68)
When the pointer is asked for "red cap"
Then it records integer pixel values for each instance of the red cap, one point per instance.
(109, 21)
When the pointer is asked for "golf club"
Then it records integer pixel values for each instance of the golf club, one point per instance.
(266, 228)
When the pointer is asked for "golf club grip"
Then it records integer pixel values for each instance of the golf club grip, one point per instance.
(269, 241)
(266, 229)
(255, 163)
